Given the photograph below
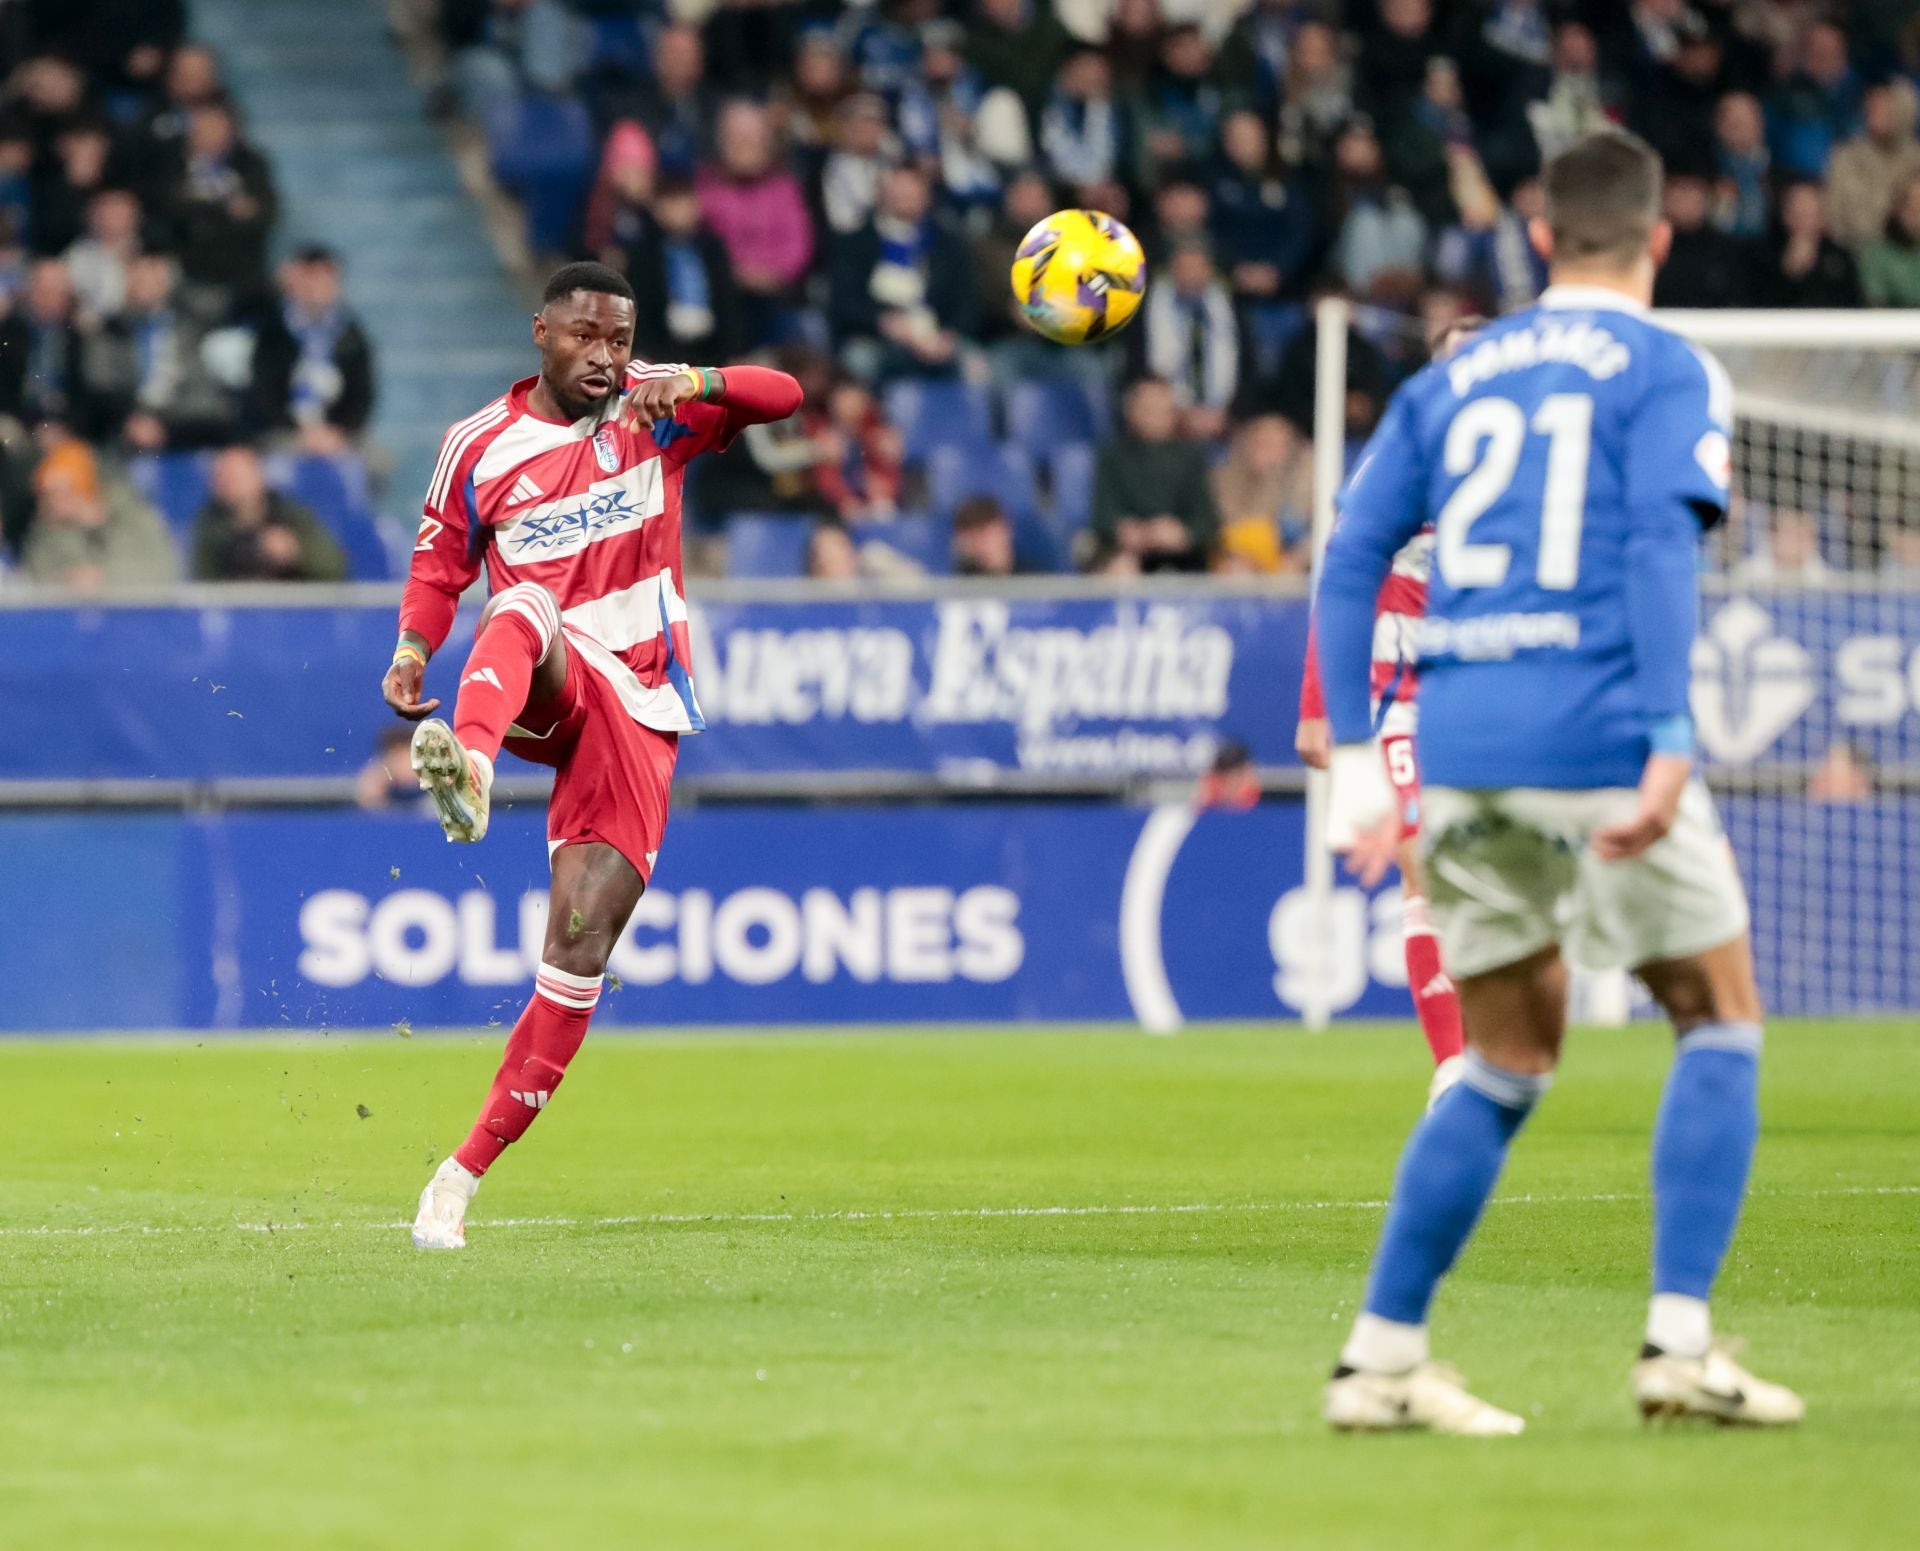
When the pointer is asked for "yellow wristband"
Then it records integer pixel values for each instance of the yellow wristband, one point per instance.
(405, 650)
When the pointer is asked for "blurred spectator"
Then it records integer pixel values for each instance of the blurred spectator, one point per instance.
(1870, 169)
(224, 203)
(1085, 135)
(1152, 509)
(387, 780)
(756, 207)
(76, 173)
(1232, 783)
(1016, 44)
(831, 555)
(40, 377)
(811, 102)
(502, 47)
(1901, 562)
(685, 302)
(1844, 775)
(1418, 145)
(983, 539)
(617, 207)
(1263, 491)
(1393, 64)
(957, 128)
(1706, 267)
(1380, 250)
(1744, 166)
(1890, 265)
(1180, 219)
(1178, 110)
(1792, 552)
(97, 262)
(1487, 252)
(1575, 104)
(1318, 99)
(1257, 51)
(857, 454)
(679, 113)
(249, 533)
(90, 532)
(1673, 109)
(901, 293)
(312, 362)
(1191, 340)
(1801, 265)
(1263, 231)
(1024, 203)
(771, 468)
(146, 370)
(863, 150)
(1817, 106)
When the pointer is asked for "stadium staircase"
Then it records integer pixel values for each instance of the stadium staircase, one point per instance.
(360, 167)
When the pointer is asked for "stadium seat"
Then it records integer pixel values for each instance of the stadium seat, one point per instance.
(1043, 415)
(938, 413)
(1006, 473)
(542, 149)
(1070, 477)
(925, 538)
(767, 543)
(176, 482)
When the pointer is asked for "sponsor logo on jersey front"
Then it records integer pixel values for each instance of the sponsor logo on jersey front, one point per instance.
(567, 526)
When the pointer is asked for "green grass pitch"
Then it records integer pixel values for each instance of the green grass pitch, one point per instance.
(971, 1290)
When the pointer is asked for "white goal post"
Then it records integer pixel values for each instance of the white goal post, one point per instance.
(1807, 669)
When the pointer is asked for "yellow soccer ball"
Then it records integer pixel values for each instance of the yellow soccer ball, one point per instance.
(1079, 276)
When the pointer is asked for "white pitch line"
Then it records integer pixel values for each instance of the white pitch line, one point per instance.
(927, 1214)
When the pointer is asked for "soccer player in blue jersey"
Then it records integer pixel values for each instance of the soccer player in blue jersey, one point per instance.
(1569, 458)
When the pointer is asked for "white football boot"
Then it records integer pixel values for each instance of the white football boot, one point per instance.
(1445, 1075)
(442, 1220)
(1428, 1398)
(460, 782)
(1714, 1387)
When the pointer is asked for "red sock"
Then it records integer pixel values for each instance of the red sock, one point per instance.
(543, 1042)
(1435, 1002)
(499, 670)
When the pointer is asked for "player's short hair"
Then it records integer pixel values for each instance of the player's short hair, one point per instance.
(596, 278)
(1603, 197)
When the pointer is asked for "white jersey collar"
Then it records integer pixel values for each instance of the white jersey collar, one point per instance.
(1598, 298)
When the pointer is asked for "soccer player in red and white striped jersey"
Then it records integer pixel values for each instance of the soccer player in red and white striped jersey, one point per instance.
(566, 490)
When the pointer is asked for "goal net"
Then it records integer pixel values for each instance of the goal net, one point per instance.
(1806, 692)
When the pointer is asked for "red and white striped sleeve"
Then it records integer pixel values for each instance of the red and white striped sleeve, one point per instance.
(446, 558)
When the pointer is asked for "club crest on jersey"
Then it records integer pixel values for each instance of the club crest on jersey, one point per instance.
(605, 451)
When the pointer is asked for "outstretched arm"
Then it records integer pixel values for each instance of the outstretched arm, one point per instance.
(741, 395)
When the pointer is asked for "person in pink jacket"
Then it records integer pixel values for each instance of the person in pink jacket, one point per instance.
(756, 207)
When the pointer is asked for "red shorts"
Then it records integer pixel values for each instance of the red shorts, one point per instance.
(612, 776)
(1403, 770)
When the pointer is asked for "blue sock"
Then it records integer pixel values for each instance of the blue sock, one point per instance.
(1449, 1168)
(1702, 1150)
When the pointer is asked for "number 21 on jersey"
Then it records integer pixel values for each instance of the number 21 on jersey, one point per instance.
(1484, 444)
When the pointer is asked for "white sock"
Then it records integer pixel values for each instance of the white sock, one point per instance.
(1678, 1325)
(1384, 1345)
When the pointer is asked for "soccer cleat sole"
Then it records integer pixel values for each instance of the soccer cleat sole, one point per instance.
(442, 766)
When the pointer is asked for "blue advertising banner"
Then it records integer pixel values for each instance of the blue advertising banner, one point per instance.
(954, 684)
(785, 914)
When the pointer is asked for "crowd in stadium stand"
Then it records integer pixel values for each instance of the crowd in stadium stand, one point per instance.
(140, 321)
(841, 187)
(844, 185)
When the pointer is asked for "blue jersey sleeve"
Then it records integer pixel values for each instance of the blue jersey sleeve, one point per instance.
(1678, 474)
(1384, 507)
